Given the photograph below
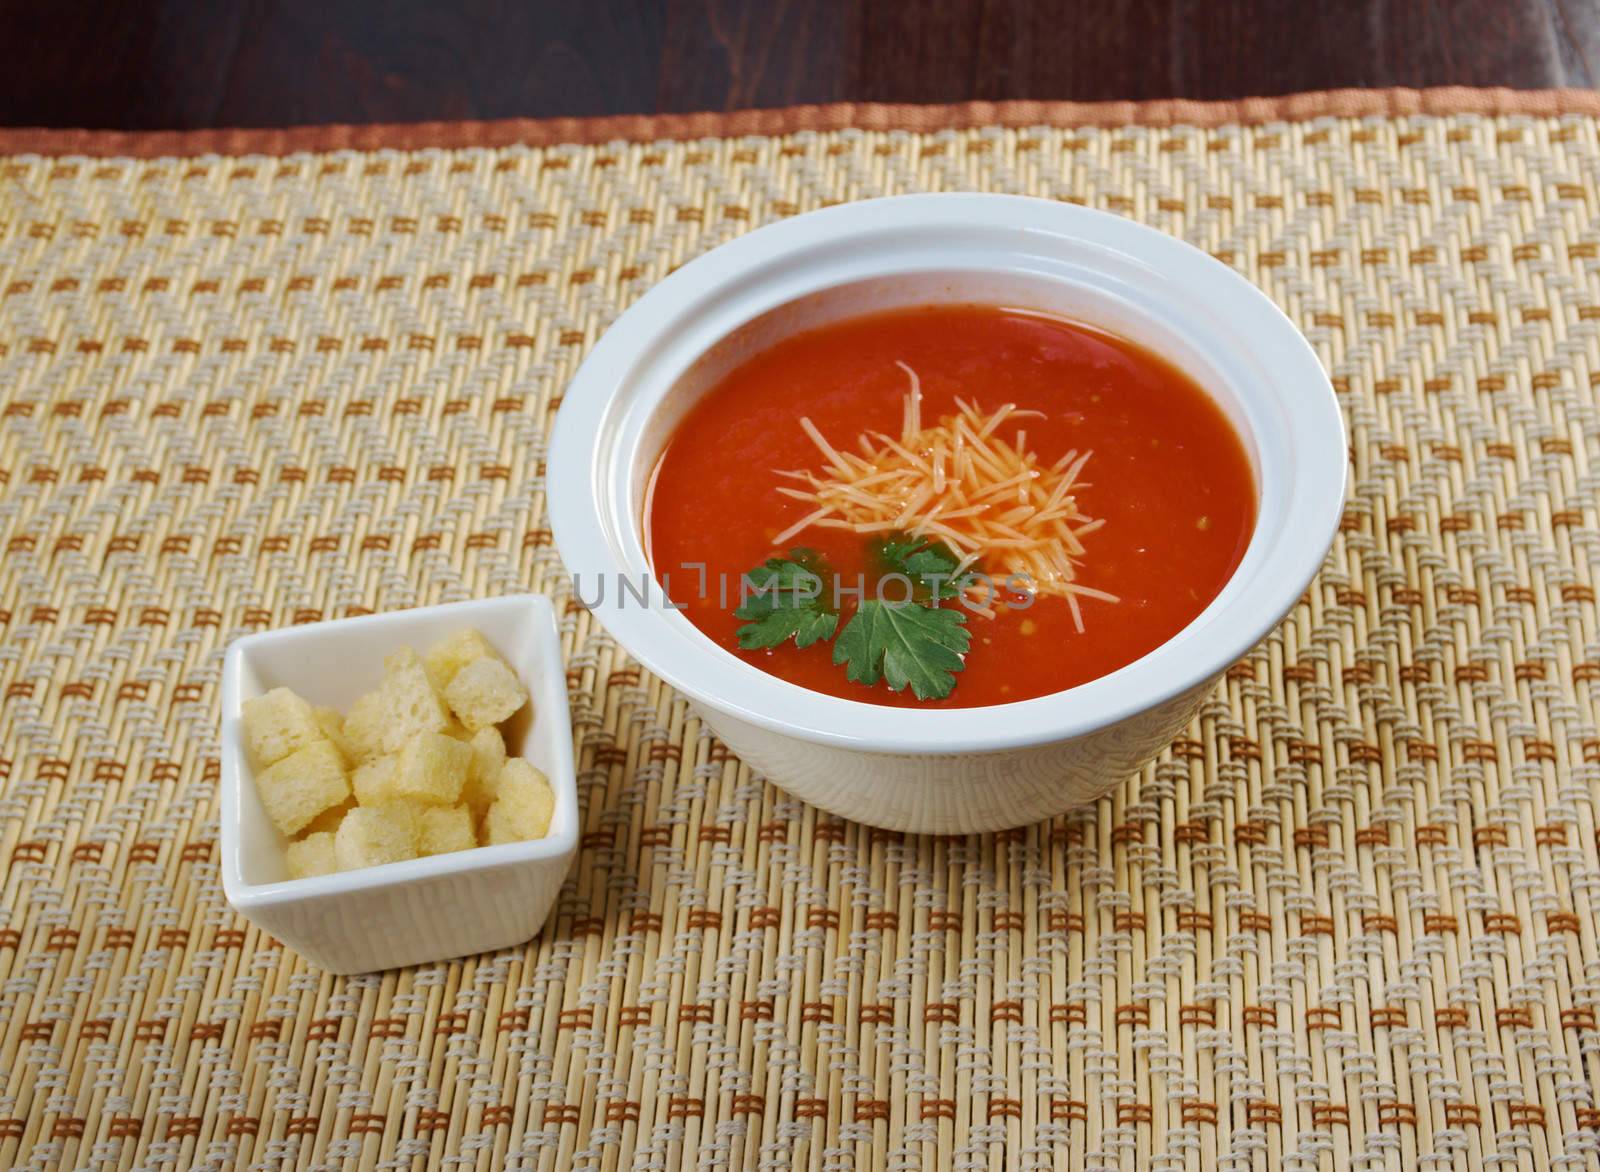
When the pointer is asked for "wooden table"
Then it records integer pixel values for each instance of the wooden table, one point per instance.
(200, 63)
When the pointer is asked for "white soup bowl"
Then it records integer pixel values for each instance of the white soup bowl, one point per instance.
(949, 770)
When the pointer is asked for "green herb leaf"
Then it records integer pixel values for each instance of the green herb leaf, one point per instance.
(783, 600)
(931, 566)
(904, 644)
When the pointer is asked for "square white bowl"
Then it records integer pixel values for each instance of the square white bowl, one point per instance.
(420, 910)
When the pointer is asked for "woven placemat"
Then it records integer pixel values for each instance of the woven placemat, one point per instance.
(1348, 919)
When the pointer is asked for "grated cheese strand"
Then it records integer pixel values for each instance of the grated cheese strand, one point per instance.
(960, 483)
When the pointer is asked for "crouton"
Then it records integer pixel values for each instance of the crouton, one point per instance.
(370, 836)
(450, 655)
(373, 781)
(443, 829)
(302, 785)
(483, 776)
(485, 692)
(524, 806)
(432, 768)
(410, 813)
(332, 726)
(364, 726)
(277, 724)
(411, 706)
(312, 855)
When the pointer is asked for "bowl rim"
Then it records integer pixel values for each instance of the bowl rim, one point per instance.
(559, 844)
(587, 510)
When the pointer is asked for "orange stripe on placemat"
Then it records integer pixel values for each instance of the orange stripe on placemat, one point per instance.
(1345, 103)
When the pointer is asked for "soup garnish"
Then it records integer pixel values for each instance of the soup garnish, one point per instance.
(958, 482)
(897, 508)
(910, 641)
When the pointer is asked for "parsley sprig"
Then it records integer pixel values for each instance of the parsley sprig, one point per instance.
(904, 643)
(931, 567)
(783, 599)
(916, 643)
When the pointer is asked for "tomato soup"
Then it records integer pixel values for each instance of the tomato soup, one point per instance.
(1166, 483)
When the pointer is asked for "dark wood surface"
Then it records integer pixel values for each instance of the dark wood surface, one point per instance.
(179, 64)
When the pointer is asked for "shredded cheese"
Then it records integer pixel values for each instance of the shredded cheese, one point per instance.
(958, 482)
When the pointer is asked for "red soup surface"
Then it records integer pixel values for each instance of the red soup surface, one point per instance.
(1168, 476)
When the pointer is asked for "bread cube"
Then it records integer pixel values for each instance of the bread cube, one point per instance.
(328, 820)
(524, 807)
(485, 692)
(332, 726)
(277, 724)
(410, 812)
(443, 829)
(411, 706)
(373, 781)
(363, 727)
(312, 855)
(450, 655)
(303, 785)
(370, 836)
(432, 769)
(483, 777)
